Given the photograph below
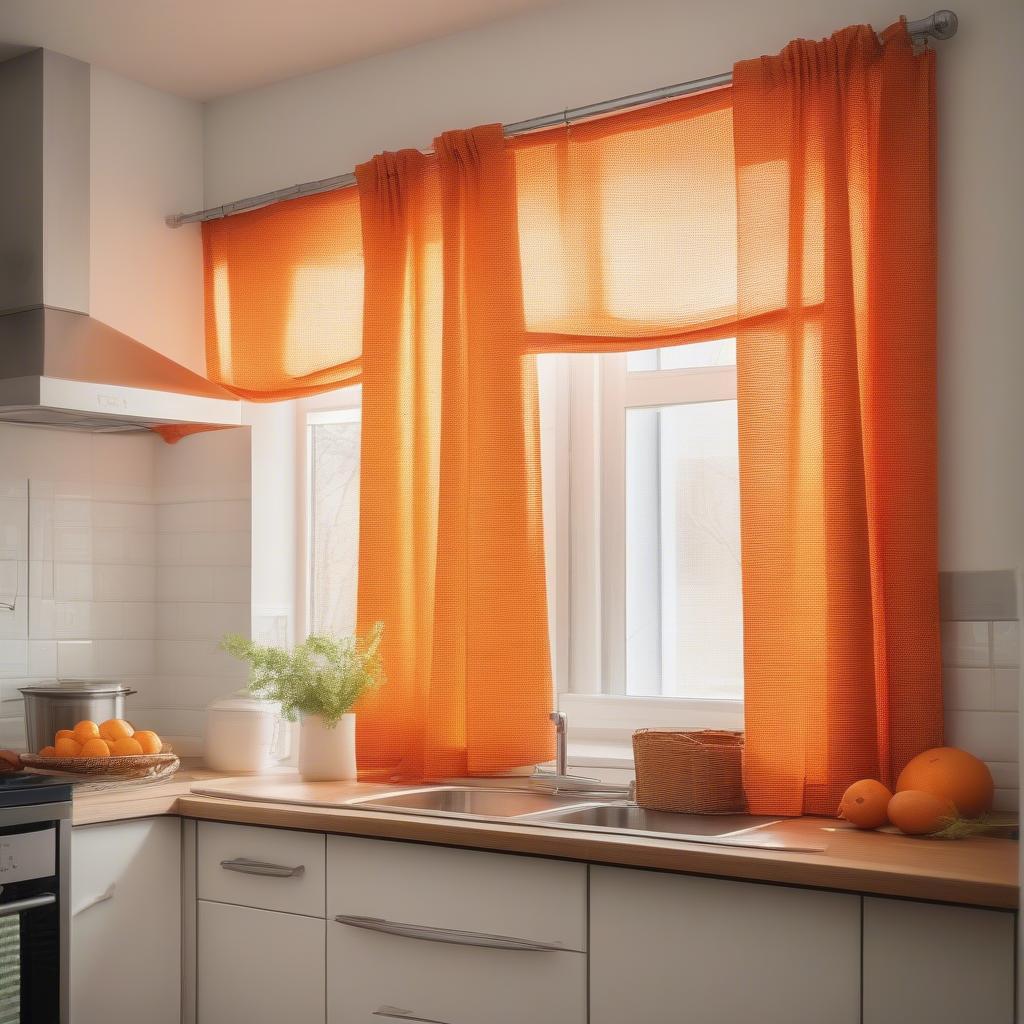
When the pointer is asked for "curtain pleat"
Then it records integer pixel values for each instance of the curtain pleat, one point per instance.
(451, 552)
(836, 397)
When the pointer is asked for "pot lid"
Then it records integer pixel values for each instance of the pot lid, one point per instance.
(77, 688)
(243, 700)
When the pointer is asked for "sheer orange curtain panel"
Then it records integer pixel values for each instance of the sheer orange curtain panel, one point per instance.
(284, 296)
(450, 547)
(627, 228)
(835, 176)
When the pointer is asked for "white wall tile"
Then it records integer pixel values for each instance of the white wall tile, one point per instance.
(13, 658)
(72, 620)
(12, 733)
(71, 542)
(42, 614)
(968, 688)
(14, 527)
(139, 620)
(198, 658)
(1007, 688)
(990, 735)
(1005, 774)
(1007, 800)
(42, 659)
(72, 581)
(966, 643)
(232, 583)
(125, 582)
(40, 579)
(187, 583)
(1006, 643)
(75, 659)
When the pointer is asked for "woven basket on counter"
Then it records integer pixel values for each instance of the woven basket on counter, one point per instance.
(133, 767)
(689, 772)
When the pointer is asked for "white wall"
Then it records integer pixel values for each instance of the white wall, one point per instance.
(323, 124)
(146, 161)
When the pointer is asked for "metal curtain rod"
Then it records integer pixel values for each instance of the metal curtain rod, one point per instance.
(940, 25)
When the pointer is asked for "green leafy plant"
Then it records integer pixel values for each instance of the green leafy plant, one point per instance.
(324, 675)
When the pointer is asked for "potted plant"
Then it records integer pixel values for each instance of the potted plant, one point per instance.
(319, 680)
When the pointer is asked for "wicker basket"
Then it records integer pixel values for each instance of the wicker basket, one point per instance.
(689, 772)
(133, 766)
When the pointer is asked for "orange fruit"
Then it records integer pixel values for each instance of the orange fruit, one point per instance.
(47, 752)
(95, 748)
(919, 813)
(864, 804)
(64, 734)
(116, 729)
(67, 747)
(149, 741)
(126, 747)
(86, 730)
(953, 775)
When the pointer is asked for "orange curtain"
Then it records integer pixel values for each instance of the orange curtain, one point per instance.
(835, 174)
(450, 545)
(284, 296)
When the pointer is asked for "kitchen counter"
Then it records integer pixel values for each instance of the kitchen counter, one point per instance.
(980, 872)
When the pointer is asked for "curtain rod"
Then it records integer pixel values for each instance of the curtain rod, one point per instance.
(940, 25)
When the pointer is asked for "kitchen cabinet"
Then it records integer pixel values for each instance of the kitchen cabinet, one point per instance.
(258, 966)
(672, 948)
(453, 936)
(937, 963)
(126, 923)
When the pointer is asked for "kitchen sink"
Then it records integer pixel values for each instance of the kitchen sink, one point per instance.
(470, 801)
(630, 818)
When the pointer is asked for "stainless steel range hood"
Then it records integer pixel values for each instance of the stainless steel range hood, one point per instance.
(60, 367)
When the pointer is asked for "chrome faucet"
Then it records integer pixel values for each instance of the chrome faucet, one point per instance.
(562, 742)
(561, 781)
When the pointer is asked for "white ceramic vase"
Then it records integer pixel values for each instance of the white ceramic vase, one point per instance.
(325, 754)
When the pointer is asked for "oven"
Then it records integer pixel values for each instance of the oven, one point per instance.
(35, 843)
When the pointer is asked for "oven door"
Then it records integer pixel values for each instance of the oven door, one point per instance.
(30, 925)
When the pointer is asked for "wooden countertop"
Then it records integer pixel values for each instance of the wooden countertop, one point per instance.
(980, 872)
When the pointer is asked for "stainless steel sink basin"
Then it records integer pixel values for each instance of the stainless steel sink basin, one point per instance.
(470, 801)
(630, 818)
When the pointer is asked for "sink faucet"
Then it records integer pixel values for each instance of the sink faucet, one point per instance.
(561, 781)
(562, 742)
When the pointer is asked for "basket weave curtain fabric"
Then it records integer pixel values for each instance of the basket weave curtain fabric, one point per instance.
(284, 297)
(451, 552)
(835, 176)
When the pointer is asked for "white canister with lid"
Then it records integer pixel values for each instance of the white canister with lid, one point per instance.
(245, 734)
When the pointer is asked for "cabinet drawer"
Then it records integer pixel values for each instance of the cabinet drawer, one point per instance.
(935, 963)
(258, 966)
(373, 976)
(268, 868)
(527, 898)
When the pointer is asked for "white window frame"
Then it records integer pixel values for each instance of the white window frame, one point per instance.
(585, 499)
(342, 406)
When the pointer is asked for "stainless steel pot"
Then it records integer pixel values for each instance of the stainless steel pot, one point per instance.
(53, 706)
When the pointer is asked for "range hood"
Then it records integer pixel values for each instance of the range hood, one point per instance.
(60, 367)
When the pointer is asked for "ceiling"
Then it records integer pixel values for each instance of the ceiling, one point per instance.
(207, 48)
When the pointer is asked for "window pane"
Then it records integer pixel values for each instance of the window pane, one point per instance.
(690, 515)
(333, 526)
(684, 357)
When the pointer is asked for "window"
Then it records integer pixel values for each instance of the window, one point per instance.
(332, 519)
(644, 486)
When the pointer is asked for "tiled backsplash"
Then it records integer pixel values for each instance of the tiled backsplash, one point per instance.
(981, 672)
(124, 558)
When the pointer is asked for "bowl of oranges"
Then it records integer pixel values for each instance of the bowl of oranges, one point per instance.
(113, 748)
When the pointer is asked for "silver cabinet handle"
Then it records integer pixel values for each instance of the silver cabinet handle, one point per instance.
(259, 867)
(107, 894)
(394, 1013)
(44, 899)
(453, 935)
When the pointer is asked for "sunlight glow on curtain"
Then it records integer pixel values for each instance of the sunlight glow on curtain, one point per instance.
(451, 554)
(837, 410)
(284, 297)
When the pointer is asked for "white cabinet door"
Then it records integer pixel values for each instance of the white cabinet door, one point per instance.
(126, 928)
(935, 964)
(383, 976)
(258, 966)
(678, 948)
